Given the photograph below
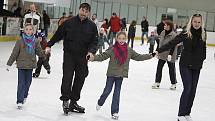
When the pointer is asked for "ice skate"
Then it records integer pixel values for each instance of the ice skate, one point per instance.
(156, 85)
(65, 107)
(98, 107)
(35, 75)
(19, 106)
(188, 118)
(173, 87)
(182, 118)
(115, 116)
(74, 107)
(48, 71)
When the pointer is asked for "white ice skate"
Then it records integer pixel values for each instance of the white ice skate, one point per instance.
(188, 118)
(156, 85)
(19, 106)
(98, 107)
(182, 118)
(115, 116)
(173, 87)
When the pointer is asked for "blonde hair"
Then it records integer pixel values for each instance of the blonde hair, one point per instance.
(189, 24)
(29, 24)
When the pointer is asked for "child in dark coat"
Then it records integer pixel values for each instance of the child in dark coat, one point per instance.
(151, 41)
(102, 39)
(41, 61)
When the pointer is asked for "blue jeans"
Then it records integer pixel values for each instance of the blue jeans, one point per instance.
(190, 79)
(142, 37)
(116, 94)
(24, 82)
(112, 36)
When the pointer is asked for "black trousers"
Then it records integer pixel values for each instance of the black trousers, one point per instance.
(43, 62)
(171, 71)
(190, 79)
(73, 65)
(151, 48)
(132, 41)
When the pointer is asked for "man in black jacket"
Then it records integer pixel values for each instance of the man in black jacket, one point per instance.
(80, 43)
(144, 28)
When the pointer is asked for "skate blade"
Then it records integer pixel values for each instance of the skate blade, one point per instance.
(19, 108)
(76, 111)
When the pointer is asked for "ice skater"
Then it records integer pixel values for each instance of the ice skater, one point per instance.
(191, 61)
(120, 55)
(24, 53)
(42, 62)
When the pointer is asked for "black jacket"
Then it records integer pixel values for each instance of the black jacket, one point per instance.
(79, 36)
(46, 19)
(160, 28)
(193, 54)
(131, 31)
(145, 26)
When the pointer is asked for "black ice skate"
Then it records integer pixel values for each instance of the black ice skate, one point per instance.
(48, 71)
(65, 107)
(35, 75)
(74, 107)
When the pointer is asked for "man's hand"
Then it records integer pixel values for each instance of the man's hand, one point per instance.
(47, 50)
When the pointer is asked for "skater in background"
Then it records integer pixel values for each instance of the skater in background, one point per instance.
(144, 28)
(80, 41)
(131, 33)
(191, 61)
(24, 53)
(102, 38)
(168, 56)
(115, 26)
(152, 39)
(120, 55)
(42, 62)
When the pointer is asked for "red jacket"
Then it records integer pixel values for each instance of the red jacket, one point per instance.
(115, 24)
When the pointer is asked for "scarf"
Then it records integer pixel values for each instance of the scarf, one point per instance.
(30, 43)
(120, 52)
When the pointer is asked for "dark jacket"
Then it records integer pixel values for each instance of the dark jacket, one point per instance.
(192, 55)
(160, 28)
(79, 36)
(46, 19)
(132, 31)
(145, 26)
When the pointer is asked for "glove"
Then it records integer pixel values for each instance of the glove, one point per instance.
(8, 68)
(169, 58)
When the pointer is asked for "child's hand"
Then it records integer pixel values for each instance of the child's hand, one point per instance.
(8, 68)
(47, 50)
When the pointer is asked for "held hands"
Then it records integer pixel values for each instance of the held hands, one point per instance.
(89, 56)
(47, 50)
(169, 58)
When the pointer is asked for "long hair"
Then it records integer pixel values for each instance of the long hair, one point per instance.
(189, 24)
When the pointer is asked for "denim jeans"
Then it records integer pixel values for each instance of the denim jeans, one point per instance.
(190, 79)
(116, 94)
(112, 36)
(142, 37)
(24, 82)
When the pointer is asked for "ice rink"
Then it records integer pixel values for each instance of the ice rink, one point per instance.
(139, 102)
